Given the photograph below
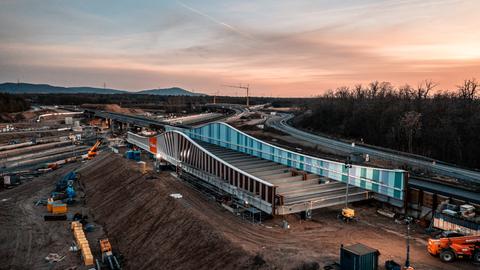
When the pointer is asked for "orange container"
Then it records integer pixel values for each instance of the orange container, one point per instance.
(75, 224)
(59, 208)
(80, 238)
(82, 243)
(88, 259)
(50, 204)
(86, 252)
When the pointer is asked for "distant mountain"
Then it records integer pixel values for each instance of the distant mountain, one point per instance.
(173, 91)
(18, 88)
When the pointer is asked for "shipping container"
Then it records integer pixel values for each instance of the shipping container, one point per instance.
(358, 257)
(59, 208)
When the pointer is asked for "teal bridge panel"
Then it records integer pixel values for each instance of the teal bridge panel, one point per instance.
(383, 181)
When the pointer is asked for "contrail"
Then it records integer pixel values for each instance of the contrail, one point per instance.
(225, 25)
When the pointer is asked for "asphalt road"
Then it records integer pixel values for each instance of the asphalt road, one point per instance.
(279, 122)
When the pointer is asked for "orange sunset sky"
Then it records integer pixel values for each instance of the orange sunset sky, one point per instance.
(281, 48)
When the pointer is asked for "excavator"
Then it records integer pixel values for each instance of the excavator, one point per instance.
(92, 152)
(451, 248)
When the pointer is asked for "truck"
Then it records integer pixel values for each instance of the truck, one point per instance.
(451, 248)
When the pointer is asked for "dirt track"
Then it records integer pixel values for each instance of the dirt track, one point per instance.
(25, 238)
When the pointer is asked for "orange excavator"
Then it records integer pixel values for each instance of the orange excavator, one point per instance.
(92, 152)
(108, 258)
(451, 248)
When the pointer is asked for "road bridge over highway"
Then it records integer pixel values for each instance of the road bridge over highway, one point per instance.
(270, 178)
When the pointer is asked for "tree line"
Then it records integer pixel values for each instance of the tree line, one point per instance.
(443, 125)
(12, 103)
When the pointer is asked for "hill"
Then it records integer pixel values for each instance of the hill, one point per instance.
(173, 91)
(20, 88)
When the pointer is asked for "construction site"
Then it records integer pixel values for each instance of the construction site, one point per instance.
(105, 187)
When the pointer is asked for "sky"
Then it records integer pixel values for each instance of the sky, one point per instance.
(280, 48)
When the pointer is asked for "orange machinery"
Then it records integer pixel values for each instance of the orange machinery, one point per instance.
(107, 255)
(451, 248)
(92, 152)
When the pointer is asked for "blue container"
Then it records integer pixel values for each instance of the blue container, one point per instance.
(129, 154)
(137, 155)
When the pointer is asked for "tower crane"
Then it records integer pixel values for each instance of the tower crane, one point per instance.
(247, 87)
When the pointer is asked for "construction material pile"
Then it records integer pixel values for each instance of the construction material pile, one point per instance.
(82, 242)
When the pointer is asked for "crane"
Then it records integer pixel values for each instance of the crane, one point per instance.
(92, 152)
(242, 87)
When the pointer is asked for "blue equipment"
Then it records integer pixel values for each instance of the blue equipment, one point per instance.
(70, 192)
(63, 183)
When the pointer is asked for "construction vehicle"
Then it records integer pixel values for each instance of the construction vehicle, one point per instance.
(108, 258)
(92, 152)
(451, 248)
(348, 214)
(66, 181)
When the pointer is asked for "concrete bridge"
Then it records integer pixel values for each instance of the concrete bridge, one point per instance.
(270, 178)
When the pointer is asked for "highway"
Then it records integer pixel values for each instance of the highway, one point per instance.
(280, 123)
(151, 123)
(125, 118)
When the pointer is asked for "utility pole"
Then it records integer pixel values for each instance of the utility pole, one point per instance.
(408, 220)
(215, 97)
(247, 87)
(348, 166)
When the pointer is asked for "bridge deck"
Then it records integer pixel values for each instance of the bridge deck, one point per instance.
(300, 190)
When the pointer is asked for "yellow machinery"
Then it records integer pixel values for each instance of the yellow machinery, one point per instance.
(347, 215)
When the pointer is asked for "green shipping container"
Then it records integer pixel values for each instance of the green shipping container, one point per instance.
(358, 257)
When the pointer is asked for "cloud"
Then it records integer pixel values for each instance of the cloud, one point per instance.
(295, 48)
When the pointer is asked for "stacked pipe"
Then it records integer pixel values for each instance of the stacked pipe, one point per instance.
(82, 243)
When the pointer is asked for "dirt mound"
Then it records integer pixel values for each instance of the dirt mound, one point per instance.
(112, 108)
(151, 229)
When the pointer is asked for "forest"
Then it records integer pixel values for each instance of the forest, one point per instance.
(443, 125)
(12, 103)
(143, 101)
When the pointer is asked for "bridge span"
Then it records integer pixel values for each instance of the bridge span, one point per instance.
(270, 178)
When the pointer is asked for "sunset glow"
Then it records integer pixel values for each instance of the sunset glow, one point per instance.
(281, 48)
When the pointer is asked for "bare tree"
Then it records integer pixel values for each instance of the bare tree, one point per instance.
(359, 91)
(384, 89)
(342, 92)
(406, 91)
(469, 89)
(411, 124)
(373, 88)
(424, 88)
